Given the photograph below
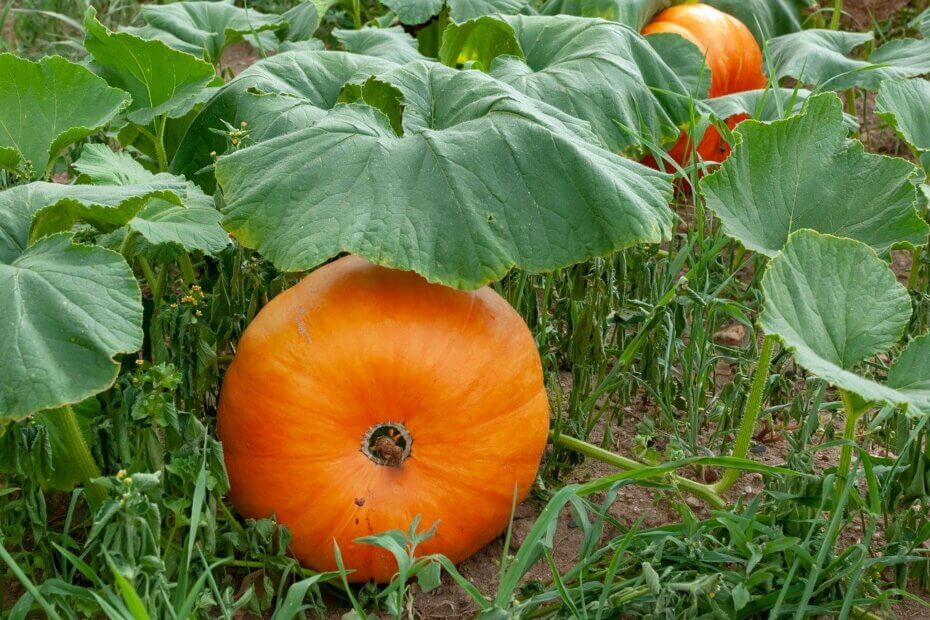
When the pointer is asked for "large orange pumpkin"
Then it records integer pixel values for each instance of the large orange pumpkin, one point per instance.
(365, 396)
(733, 57)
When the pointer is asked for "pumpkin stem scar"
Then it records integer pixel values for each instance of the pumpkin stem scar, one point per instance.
(387, 443)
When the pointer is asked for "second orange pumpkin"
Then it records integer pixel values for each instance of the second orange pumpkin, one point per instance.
(733, 58)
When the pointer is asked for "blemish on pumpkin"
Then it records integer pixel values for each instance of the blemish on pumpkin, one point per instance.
(359, 501)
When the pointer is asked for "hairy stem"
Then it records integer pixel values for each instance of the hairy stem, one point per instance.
(702, 491)
(750, 414)
(849, 436)
(159, 141)
(79, 458)
(837, 13)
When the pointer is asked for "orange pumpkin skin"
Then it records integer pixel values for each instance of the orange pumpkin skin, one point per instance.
(354, 346)
(733, 56)
(712, 146)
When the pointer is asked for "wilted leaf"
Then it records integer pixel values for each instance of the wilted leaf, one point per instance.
(161, 80)
(834, 303)
(819, 57)
(633, 13)
(69, 310)
(392, 44)
(804, 172)
(483, 179)
(46, 106)
(273, 97)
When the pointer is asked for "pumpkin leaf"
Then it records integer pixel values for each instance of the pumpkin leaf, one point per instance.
(903, 105)
(834, 303)
(464, 10)
(634, 13)
(483, 179)
(36, 90)
(765, 18)
(598, 71)
(392, 44)
(770, 104)
(273, 97)
(478, 42)
(161, 80)
(193, 225)
(685, 59)
(413, 12)
(910, 373)
(819, 57)
(203, 28)
(28, 212)
(69, 311)
(803, 172)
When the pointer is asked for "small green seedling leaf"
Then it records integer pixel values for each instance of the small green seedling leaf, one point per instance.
(834, 303)
(71, 102)
(803, 172)
(482, 180)
(162, 81)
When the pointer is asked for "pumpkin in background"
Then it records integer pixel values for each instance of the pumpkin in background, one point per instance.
(365, 396)
(733, 58)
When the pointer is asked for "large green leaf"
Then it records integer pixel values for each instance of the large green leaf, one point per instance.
(598, 71)
(67, 312)
(201, 27)
(28, 212)
(903, 105)
(803, 172)
(685, 59)
(634, 13)
(193, 225)
(483, 179)
(834, 303)
(819, 57)
(910, 373)
(770, 104)
(46, 106)
(273, 97)
(766, 18)
(414, 12)
(161, 80)
(392, 44)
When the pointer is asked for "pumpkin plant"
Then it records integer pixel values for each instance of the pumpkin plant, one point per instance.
(831, 186)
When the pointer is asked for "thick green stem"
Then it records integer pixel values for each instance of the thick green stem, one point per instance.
(837, 13)
(79, 457)
(849, 435)
(750, 414)
(702, 491)
(160, 153)
(187, 269)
